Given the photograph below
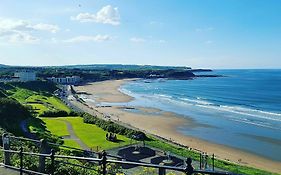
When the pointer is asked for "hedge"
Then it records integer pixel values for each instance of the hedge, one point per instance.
(113, 127)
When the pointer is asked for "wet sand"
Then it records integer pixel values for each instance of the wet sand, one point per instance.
(163, 124)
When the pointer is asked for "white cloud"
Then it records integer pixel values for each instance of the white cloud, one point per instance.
(147, 40)
(204, 29)
(83, 38)
(22, 37)
(8, 25)
(16, 31)
(106, 15)
(137, 40)
(46, 27)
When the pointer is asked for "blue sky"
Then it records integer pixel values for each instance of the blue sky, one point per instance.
(196, 33)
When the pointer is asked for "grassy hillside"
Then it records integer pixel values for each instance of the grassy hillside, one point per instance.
(122, 67)
(25, 101)
(37, 94)
(40, 102)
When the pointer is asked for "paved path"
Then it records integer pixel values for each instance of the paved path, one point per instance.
(74, 137)
(7, 171)
(25, 130)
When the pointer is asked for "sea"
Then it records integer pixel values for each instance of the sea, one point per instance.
(241, 109)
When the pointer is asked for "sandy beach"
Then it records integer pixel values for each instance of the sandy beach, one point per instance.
(161, 123)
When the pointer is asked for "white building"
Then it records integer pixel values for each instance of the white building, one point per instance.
(25, 76)
(65, 80)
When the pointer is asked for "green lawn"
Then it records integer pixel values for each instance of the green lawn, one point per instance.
(91, 135)
(34, 125)
(38, 101)
(57, 103)
(38, 108)
(50, 103)
(71, 143)
(56, 126)
(21, 94)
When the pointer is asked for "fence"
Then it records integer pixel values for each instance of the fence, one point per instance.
(102, 160)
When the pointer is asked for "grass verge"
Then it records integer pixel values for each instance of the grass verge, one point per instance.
(91, 135)
(56, 126)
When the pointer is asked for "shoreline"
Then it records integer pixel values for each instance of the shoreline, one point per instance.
(163, 124)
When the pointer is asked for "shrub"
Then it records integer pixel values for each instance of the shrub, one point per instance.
(74, 113)
(11, 114)
(44, 86)
(113, 127)
(58, 113)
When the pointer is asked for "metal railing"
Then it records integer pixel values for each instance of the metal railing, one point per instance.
(102, 161)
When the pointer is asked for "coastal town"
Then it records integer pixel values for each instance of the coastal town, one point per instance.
(114, 87)
(105, 101)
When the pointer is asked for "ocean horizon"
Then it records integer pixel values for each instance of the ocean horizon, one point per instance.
(241, 110)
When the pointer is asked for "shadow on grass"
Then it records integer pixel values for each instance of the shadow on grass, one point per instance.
(118, 141)
(38, 129)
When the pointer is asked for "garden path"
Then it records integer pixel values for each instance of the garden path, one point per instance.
(73, 136)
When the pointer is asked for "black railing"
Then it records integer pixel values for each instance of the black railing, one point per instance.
(102, 160)
(38, 142)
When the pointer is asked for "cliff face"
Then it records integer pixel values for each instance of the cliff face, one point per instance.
(180, 74)
(201, 70)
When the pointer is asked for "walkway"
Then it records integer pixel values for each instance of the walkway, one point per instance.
(25, 130)
(7, 171)
(73, 136)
